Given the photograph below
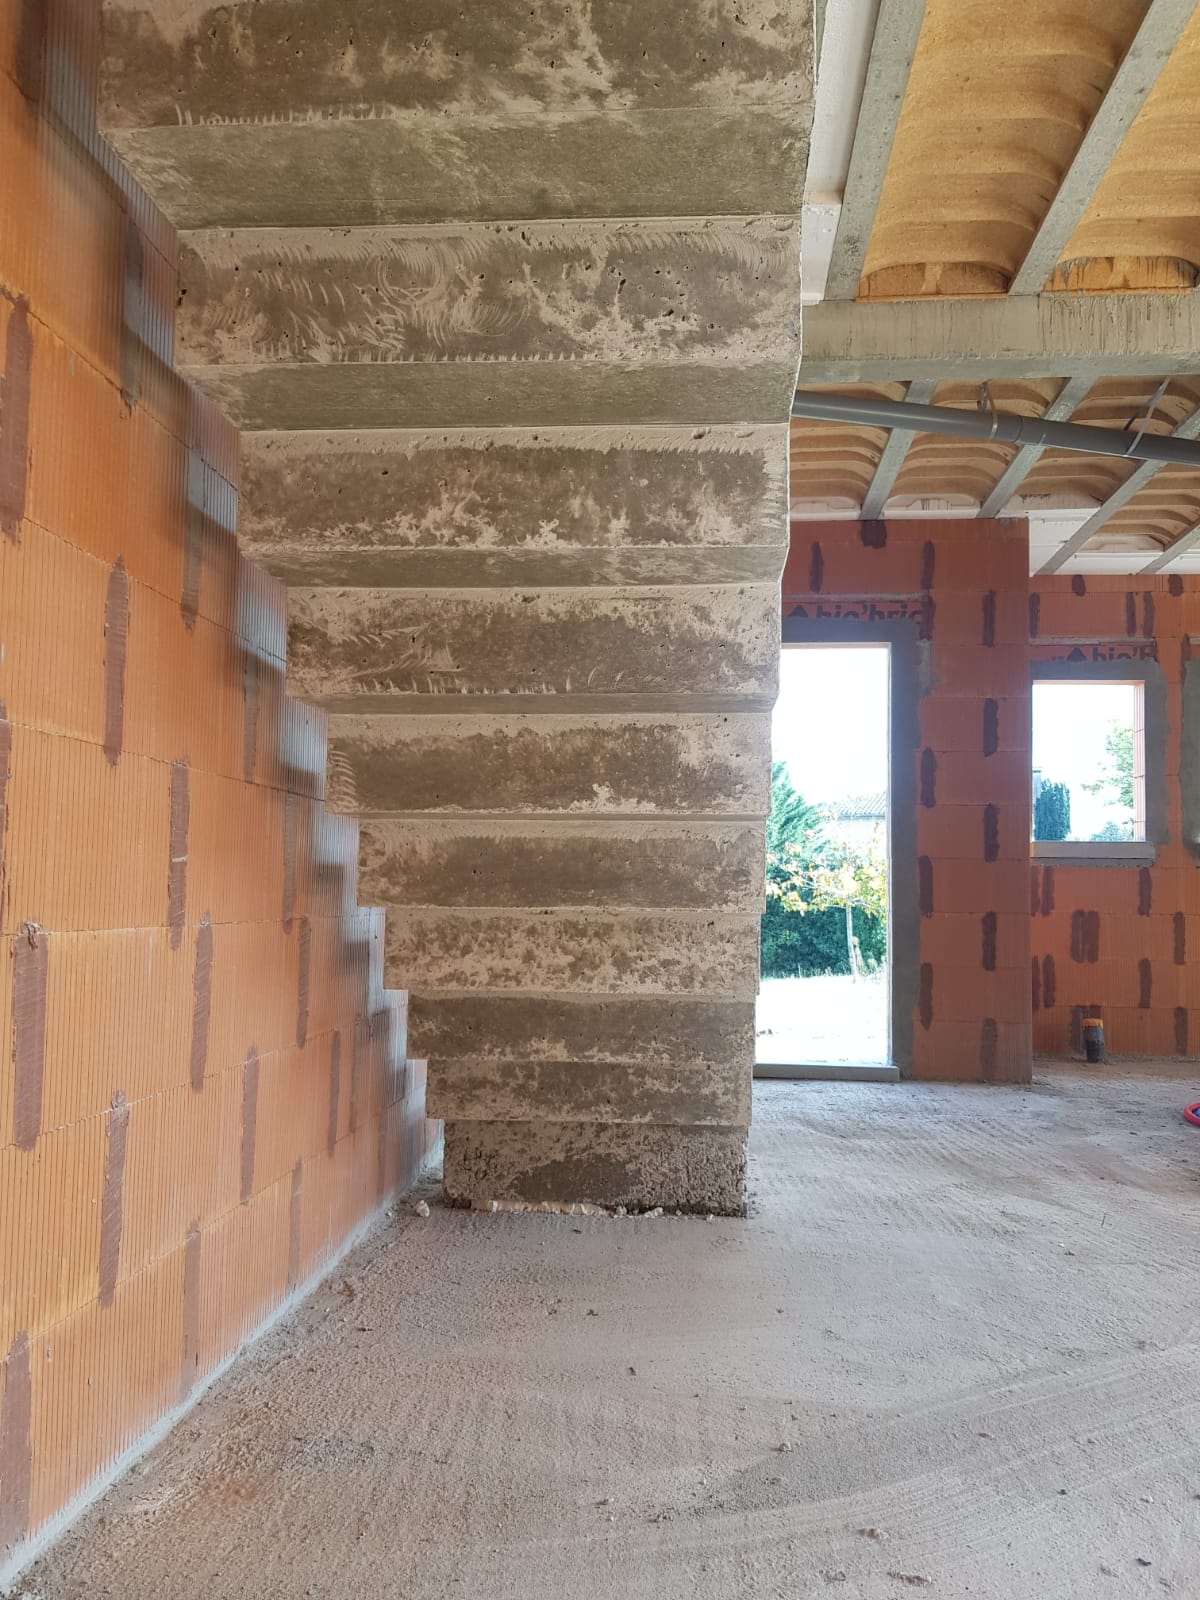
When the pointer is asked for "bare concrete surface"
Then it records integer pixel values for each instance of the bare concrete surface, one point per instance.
(952, 1351)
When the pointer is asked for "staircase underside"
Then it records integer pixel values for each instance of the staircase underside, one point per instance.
(505, 300)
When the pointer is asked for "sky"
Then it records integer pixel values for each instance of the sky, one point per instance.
(830, 727)
(830, 721)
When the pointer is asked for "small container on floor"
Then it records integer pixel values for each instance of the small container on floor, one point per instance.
(1093, 1039)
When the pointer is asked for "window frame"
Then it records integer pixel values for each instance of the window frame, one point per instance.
(1148, 675)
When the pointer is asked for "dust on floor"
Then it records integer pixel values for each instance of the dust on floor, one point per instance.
(953, 1351)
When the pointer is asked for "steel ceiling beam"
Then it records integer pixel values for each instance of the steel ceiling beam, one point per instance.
(1060, 409)
(1132, 82)
(897, 29)
(1189, 428)
(894, 452)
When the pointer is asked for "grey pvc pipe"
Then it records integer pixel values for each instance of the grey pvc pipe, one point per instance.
(1136, 444)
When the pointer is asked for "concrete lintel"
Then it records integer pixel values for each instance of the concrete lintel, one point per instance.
(1060, 409)
(1132, 82)
(897, 29)
(920, 393)
(1048, 335)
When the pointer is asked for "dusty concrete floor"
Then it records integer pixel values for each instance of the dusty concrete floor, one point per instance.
(953, 1351)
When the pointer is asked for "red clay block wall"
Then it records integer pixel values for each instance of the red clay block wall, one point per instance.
(963, 587)
(203, 1086)
(1123, 942)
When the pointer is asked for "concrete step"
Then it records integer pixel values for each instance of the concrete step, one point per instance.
(626, 1092)
(500, 394)
(660, 866)
(496, 1031)
(616, 317)
(366, 111)
(369, 649)
(714, 764)
(585, 951)
(556, 507)
(612, 1164)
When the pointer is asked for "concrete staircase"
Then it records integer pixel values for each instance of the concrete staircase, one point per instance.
(505, 299)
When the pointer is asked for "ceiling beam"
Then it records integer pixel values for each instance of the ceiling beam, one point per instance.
(895, 41)
(1133, 80)
(894, 451)
(1060, 409)
(1031, 336)
(1174, 550)
(1189, 428)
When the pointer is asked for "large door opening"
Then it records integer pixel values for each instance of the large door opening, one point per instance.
(825, 999)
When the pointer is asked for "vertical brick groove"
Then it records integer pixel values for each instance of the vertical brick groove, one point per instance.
(991, 727)
(177, 871)
(294, 1222)
(5, 775)
(16, 1445)
(988, 620)
(201, 1003)
(928, 778)
(355, 1065)
(249, 1123)
(189, 1361)
(991, 833)
(1179, 938)
(1035, 976)
(928, 564)
(30, 65)
(925, 885)
(1049, 983)
(112, 1205)
(1145, 984)
(925, 995)
(31, 963)
(1035, 615)
(193, 540)
(304, 953)
(250, 688)
(1145, 891)
(988, 930)
(1130, 615)
(133, 318)
(335, 1088)
(873, 533)
(289, 861)
(14, 418)
(1047, 891)
(116, 631)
